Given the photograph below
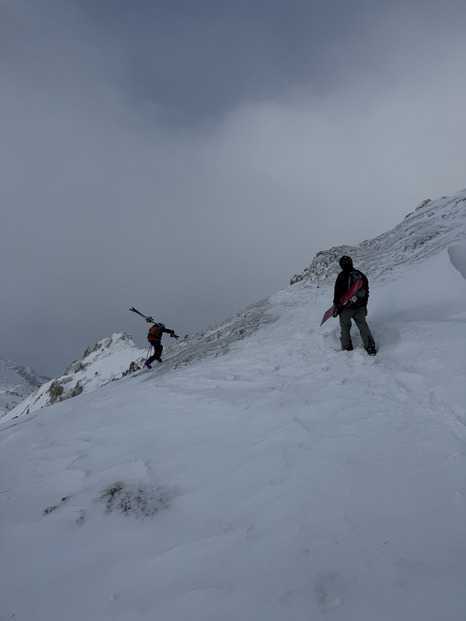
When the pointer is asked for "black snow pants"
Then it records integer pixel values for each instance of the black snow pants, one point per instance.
(158, 348)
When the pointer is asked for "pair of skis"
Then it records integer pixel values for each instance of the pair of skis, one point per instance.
(351, 291)
(148, 319)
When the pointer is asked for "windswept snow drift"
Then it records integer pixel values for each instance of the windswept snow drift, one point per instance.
(276, 478)
(458, 257)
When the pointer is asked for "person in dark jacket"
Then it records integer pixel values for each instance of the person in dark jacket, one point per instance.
(355, 308)
(155, 337)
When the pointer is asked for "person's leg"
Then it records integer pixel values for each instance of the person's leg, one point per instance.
(366, 335)
(151, 359)
(345, 325)
(157, 352)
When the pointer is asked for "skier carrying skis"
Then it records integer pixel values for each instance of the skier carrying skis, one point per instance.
(355, 308)
(154, 337)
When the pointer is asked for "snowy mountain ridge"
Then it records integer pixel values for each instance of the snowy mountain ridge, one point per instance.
(259, 473)
(117, 356)
(432, 226)
(102, 363)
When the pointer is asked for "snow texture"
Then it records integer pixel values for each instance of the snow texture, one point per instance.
(259, 473)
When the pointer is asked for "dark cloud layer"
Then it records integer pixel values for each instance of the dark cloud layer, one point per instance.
(189, 158)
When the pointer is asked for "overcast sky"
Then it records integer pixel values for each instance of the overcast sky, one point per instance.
(188, 157)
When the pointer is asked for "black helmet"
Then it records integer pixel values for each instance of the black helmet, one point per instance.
(346, 263)
(161, 324)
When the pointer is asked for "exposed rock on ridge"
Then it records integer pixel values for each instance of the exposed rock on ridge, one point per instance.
(415, 238)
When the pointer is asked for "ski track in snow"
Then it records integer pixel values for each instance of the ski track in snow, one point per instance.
(284, 481)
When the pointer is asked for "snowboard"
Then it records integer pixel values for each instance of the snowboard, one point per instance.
(351, 291)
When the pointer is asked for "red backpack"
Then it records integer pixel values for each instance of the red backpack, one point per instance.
(155, 333)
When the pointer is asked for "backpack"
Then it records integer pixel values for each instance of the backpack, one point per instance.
(155, 333)
(353, 277)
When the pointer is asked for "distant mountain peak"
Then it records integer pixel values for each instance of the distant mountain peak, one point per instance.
(17, 381)
(103, 362)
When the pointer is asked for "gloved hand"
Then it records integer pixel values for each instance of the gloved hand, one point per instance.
(175, 336)
(336, 310)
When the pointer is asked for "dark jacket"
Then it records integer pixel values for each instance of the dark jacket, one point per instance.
(344, 281)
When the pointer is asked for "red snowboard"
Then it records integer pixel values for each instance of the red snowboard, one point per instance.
(351, 291)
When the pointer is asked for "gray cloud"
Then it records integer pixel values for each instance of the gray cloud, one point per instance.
(190, 160)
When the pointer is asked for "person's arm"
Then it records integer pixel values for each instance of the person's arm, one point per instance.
(170, 332)
(338, 292)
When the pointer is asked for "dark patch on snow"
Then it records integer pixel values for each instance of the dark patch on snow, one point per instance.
(53, 507)
(137, 501)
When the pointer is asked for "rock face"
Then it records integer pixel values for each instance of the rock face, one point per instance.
(16, 383)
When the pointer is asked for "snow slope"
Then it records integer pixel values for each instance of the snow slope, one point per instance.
(276, 478)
